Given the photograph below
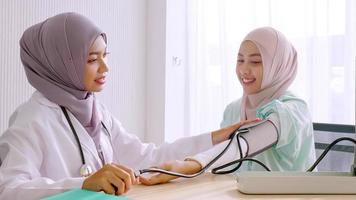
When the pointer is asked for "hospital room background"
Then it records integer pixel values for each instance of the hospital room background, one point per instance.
(172, 62)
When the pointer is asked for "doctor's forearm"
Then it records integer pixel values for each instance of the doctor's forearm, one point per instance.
(38, 188)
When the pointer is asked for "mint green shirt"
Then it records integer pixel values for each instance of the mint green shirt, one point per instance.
(295, 149)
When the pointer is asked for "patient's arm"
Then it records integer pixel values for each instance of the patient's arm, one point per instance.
(259, 137)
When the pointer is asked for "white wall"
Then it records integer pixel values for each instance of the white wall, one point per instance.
(176, 110)
(155, 70)
(166, 70)
(125, 23)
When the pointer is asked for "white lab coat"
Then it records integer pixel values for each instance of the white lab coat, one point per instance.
(40, 156)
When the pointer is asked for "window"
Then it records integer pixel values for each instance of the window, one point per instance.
(322, 31)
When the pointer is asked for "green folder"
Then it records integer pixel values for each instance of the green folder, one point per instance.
(79, 194)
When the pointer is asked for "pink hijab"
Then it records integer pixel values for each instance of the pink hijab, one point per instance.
(54, 53)
(279, 60)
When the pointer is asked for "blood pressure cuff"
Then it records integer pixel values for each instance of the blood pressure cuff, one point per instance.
(259, 136)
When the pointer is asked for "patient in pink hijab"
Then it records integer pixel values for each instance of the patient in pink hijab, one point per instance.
(266, 67)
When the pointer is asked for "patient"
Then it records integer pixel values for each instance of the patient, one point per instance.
(266, 67)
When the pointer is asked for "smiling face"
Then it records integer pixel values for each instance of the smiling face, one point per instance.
(249, 68)
(96, 68)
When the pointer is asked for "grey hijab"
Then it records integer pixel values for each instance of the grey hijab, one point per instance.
(54, 53)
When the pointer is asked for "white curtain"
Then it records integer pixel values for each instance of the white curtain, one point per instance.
(323, 32)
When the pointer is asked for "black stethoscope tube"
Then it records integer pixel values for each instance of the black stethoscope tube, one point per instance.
(153, 170)
(233, 135)
(76, 135)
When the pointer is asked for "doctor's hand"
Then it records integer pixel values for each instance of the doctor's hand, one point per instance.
(224, 133)
(111, 179)
(184, 167)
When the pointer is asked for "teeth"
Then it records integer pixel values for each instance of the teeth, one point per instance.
(245, 80)
(101, 80)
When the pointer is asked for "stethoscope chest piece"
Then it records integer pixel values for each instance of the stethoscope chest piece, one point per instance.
(85, 170)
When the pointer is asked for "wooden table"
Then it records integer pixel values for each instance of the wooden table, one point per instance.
(210, 186)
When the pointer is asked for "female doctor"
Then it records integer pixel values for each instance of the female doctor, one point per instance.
(62, 137)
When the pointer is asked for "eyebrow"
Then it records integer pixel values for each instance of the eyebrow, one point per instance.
(251, 55)
(97, 52)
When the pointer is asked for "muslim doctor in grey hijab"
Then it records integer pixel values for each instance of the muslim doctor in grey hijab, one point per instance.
(62, 137)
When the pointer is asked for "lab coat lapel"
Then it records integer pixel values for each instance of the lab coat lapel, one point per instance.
(107, 146)
(86, 141)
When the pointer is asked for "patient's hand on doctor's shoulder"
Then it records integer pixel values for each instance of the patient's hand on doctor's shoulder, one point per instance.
(184, 167)
(111, 179)
(224, 133)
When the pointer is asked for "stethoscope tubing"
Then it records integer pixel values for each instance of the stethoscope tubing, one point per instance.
(171, 173)
(76, 135)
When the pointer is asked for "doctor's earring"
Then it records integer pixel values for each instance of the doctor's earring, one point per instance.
(85, 170)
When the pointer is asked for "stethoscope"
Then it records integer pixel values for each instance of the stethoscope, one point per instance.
(217, 170)
(85, 170)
